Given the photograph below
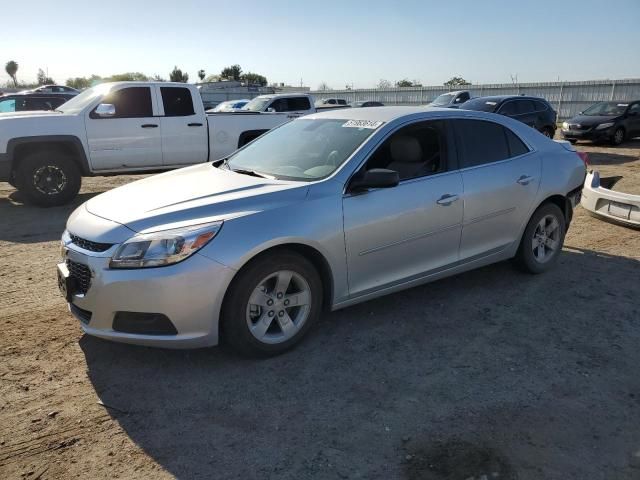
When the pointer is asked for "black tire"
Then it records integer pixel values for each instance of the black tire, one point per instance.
(235, 328)
(48, 179)
(618, 136)
(573, 141)
(548, 132)
(525, 258)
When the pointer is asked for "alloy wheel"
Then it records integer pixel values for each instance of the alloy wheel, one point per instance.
(546, 239)
(49, 180)
(278, 307)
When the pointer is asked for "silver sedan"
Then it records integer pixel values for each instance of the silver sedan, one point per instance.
(323, 212)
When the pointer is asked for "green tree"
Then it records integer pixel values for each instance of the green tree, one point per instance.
(81, 83)
(405, 83)
(233, 72)
(455, 82)
(12, 69)
(176, 75)
(254, 79)
(43, 79)
(201, 74)
(128, 77)
(158, 78)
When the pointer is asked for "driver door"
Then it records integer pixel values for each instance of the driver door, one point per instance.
(398, 234)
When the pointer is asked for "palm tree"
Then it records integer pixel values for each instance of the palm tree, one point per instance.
(12, 68)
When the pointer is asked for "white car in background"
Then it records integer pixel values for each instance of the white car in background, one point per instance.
(230, 105)
(599, 199)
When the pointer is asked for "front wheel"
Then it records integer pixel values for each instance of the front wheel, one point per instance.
(542, 240)
(48, 179)
(618, 136)
(271, 304)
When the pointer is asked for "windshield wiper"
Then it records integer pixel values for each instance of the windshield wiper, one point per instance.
(253, 173)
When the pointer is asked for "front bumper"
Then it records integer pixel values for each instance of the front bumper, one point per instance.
(618, 207)
(189, 294)
(591, 134)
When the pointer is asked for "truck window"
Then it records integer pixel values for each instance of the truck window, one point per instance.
(177, 101)
(131, 102)
(298, 103)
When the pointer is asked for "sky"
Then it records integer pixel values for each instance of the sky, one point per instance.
(336, 42)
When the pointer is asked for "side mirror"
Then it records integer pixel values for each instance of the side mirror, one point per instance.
(271, 110)
(633, 114)
(105, 110)
(375, 178)
(580, 113)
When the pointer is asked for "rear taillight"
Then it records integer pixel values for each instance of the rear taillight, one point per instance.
(584, 157)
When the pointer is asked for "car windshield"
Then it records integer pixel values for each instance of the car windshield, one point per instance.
(444, 99)
(480, 104)
(79, 102)
(304, 149)
(257, 104)
(606, 109)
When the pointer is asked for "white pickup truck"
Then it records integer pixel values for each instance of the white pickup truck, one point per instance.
(126, 127)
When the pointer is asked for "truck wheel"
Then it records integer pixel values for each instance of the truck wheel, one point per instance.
(271, 304)
(542, 240)
(48, 179)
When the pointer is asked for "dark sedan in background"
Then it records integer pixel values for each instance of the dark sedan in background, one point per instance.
(605, 121)
(535, 112)
(22, 102)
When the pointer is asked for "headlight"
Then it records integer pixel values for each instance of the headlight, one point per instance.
(163, 248)
(602, 126)
(565, 126)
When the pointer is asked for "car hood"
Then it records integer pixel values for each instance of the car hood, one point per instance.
(197, 194)
(589, 120)
(28, 113)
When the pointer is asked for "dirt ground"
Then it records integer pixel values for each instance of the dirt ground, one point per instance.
(492, 373)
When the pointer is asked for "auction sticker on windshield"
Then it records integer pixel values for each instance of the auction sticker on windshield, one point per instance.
(362, 124)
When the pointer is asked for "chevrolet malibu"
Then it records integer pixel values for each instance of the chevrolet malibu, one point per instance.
(321, 213)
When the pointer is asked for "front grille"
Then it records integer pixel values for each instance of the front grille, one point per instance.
(83, 315)
(577, 126)
(81, 274)
(89, 245)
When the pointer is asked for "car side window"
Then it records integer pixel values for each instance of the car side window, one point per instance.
(413, 151)
(131, 102)
(463, 97)
(524, 106)
(508, 108)
(540, 106)
(8, 105)
(279, 105)
(480, 142)
(177, 102)
(635, 108)
(516, 146)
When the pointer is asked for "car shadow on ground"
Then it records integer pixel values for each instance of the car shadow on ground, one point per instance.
(491, 371)
(21, 222)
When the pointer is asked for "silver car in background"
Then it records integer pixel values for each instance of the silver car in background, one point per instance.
(323, 212)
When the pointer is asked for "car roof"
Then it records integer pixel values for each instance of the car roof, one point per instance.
(501, 98)
(379, 114)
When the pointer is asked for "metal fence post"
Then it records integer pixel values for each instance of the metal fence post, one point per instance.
(560, 99)
(613, 89)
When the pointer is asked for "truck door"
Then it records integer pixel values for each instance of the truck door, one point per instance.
(184, 128)
(122, 131)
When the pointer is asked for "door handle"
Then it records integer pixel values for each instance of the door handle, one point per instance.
(149, 125)
(447, 199)
(194, 124)
(524, 180)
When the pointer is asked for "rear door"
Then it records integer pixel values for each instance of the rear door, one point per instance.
(501, 177)
(633, 116)
(394, 235)
(184, 130)
(131, 137)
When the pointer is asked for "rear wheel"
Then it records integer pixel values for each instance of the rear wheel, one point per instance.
(48, 179)
(618, 136)
(547, 132)
(271, 304)
(542, 240)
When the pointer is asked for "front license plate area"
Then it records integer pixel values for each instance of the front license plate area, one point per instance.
(620, 210)
(66, 283)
